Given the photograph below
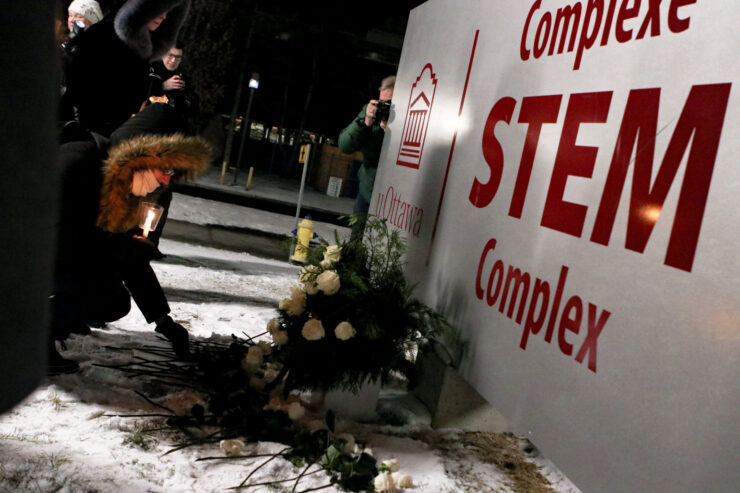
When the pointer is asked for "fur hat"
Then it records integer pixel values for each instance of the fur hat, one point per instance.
(89, 9)
(188, 156)
(134, 16)
(149, 140)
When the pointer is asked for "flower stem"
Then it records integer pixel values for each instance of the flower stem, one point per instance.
(300, 476)
(274, 456)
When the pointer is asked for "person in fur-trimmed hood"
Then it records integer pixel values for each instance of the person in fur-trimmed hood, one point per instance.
(108, 75)
(102, 257)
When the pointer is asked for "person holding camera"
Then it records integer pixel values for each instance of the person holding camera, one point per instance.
(168, 79)
(81, 14)
(365, 134)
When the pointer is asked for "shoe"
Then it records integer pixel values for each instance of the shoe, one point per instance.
(81, 328)
(98, 325)
(58, 365)
(177, 335)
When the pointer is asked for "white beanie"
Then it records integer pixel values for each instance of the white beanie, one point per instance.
(89, 9)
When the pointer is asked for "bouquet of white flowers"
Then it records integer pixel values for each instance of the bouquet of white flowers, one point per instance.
(351, 317)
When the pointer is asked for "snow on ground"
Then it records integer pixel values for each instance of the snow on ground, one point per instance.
(70, 436)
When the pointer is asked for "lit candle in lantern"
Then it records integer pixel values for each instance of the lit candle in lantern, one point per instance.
(149, 214)
(148, 222)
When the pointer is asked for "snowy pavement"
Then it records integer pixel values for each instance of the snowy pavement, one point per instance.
(69, 435)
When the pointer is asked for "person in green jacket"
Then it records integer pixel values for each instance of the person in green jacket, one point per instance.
(365, 134)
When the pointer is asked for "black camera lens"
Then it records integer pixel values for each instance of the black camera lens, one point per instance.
(383, 111)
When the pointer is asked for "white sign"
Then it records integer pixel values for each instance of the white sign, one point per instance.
(568, 175)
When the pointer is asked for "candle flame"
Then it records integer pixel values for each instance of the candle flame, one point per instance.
(148, 222)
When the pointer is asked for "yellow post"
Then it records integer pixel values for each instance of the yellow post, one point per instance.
(223, 172)
(304, 236)
(249, 178)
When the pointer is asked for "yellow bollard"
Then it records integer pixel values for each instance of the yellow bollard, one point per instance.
(248, 185)
(304, 235)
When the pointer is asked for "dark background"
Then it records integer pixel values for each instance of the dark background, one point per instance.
(318, 61)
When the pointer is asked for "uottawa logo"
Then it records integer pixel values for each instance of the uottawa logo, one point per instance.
(417, 118)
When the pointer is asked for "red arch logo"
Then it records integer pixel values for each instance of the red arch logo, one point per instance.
(416, 122)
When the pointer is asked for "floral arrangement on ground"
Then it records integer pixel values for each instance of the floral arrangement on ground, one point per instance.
(351, 319)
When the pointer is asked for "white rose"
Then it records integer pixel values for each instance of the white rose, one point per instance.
(344, 331)
(349, 442)
(402, 480)
(296, 307)
(253, 359)
(264, 347)
(297, 302)
(273, 325)
(392, 465)
(328, 282)
(257, 383)
(271, 374)
(280, 337)
(296, 411)
(313, 330)
(292, 398)
(284, 303)
(384, 483)
(368, 451)
(231, 447)
(310, 287)
(315, 425)
(275, 404)
(326, 263)
(333, 253)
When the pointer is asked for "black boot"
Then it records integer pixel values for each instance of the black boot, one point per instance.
(57, 365)
(80, 328)
(176, 334)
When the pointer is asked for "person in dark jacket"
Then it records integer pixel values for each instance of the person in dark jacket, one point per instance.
(102, 259)
(365, 134)
(108, 76)
(168, 79)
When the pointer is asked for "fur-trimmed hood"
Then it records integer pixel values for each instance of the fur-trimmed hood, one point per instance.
(134, 16)
(187, 156)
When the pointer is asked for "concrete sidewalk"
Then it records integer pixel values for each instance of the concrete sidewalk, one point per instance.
(269, 193)
(243, 229)
(259, 221)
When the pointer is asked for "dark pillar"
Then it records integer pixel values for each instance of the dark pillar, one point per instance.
(28, 191)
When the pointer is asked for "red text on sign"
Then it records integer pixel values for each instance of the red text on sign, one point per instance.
(697, 132)
(587, 19)
(509, 286)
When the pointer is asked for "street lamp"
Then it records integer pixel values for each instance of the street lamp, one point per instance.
(254, 83)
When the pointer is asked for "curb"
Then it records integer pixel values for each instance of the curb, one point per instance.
(262, 203)
(256, 242)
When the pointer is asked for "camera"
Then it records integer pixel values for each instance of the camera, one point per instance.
(77, 28)
(383, 111)
(70, 44)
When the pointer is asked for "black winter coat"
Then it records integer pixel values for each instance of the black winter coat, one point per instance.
(108, 76)
(107, 81)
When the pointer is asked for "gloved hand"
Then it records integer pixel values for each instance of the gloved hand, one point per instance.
(145, 248)
(125, 248)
